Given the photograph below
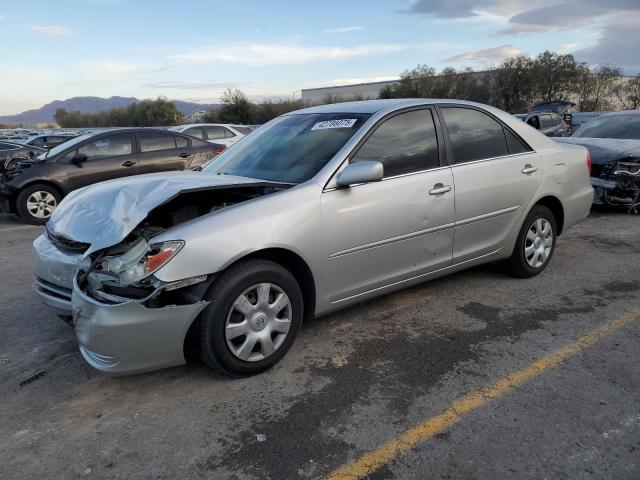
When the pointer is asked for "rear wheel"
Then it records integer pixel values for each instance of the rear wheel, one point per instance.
(37, 202)
(535, 244)
(255, 313)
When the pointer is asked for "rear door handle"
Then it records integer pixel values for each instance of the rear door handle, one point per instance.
(439, 189)
(528, 168)
(184, 155)
(128, 163)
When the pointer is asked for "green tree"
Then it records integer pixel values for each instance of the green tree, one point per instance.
(236, 107)
(554, 76)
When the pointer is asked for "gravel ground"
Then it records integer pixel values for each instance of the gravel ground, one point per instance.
(352, 381)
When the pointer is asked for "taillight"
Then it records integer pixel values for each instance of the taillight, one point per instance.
(218, 150)
(589, 161)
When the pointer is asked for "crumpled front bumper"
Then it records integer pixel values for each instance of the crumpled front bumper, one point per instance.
(54, 271)
(129, 338)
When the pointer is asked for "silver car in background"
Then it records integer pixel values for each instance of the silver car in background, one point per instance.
(316, 210)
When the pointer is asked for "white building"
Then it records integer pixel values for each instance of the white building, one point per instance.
(363, 91)
(195, 116)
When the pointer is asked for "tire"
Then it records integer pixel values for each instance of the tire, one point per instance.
(263, 322)
(45, 197)
(523, 263)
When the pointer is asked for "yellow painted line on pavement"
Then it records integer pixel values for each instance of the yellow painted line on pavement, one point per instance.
(398, 446)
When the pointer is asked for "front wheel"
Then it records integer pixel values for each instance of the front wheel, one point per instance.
(255, 312)
(535, 244)
(37, 202)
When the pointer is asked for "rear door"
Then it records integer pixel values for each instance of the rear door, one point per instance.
(163, 151)
(105, 157)
(389, 231)
(495, 175)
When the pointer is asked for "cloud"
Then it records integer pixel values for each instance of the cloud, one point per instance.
(110, 69)
(278, 54)
(617, 44)
(487, 56)
(464, 8)
(190, 85)
(566, 15)
(57, 30)
(354, 28)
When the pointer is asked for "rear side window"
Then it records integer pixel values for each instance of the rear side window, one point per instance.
(194, 132)
(228, 133)
(406, 143)
(214, 133)
(515, 144)
(111, 146)
(474, 135)
(152, 141)
(546, 121)
(181, 142)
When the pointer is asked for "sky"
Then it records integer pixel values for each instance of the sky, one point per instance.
(193, 50)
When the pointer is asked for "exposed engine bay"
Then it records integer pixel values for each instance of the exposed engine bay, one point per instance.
(619, 185)
(10, 166)
(124, 271)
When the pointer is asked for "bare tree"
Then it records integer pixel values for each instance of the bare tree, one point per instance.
(628, 93)
(595, 88)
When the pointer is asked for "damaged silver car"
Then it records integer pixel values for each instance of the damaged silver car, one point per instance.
(317, 210)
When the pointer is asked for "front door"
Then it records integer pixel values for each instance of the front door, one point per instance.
(384, 232)
(104, 158)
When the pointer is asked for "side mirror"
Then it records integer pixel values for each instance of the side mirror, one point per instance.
(79, 158)
(360, 172)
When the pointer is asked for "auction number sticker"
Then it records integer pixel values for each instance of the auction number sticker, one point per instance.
(342, 123)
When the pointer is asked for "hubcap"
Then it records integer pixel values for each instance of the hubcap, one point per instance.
(539, 242)
(258, 322)
(41, 204)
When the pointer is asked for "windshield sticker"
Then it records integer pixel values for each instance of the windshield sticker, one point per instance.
(342, 123)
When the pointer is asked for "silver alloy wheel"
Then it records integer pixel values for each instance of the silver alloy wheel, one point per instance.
(539, 242)
(258, 322)
(41, 204)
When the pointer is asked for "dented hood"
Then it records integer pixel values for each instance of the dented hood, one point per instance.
(604, 150)
(103, 214)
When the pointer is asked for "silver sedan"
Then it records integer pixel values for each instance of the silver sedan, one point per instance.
(317, 210)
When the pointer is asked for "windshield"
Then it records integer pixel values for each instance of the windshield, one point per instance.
(64, 146)
(612, 126)
(289, 149)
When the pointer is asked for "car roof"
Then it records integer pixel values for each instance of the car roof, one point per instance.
(623, 112)
(373, 106)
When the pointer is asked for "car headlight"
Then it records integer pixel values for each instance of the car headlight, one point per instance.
(129, 268)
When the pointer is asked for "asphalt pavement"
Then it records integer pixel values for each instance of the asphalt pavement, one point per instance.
(473, 376)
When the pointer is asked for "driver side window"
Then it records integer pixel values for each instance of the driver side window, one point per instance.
(111, 146)
(405, 143)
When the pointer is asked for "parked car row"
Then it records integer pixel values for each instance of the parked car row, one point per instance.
(317, 210)
(34, 186)
(218, 133)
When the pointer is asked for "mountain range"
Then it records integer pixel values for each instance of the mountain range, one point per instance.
(45, 113)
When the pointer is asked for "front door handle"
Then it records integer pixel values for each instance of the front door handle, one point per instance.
(528, 168)
(439, 189)
(184, 155)
(128, 163)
